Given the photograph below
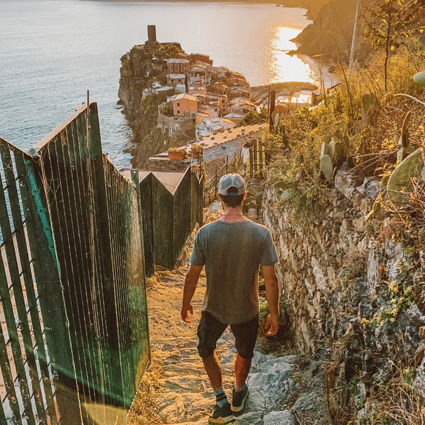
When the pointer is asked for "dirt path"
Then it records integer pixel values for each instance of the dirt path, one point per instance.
(175, 388)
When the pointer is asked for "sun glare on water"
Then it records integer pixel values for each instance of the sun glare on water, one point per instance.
(284, 67)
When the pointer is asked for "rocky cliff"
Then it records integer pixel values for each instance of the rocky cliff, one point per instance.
(331, 32)
(357, 299)
(140, 67)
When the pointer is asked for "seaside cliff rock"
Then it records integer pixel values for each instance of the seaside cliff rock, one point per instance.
(166, 93)
(140, 67)
(356, 301)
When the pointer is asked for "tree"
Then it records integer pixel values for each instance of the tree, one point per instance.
(389, 23)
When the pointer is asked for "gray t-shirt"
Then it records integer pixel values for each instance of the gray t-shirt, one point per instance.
(232, 253)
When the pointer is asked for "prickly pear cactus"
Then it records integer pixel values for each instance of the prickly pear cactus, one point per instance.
(404, 138)
(323, 149)
(420, 78)
(326, 167)
(346, 140)
(331, 149)
(339, 154)
(276, 120)
(344, 126)
(366, 100)
(401, 178)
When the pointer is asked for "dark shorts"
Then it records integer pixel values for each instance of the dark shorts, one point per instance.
(210, 330)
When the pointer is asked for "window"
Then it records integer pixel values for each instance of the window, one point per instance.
(178, 103)
(178, 112)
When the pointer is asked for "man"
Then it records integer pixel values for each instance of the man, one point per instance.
(232, 249)
(245, 153)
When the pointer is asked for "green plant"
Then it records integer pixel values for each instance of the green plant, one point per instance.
(401, 178)
(390, 21)
(167, 109)
(263, 312)
(353, 383)
(330, 155)
(197, 147)
(420, 78)
(254, 197)
(178, 150)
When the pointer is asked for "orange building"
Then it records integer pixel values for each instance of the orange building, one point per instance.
(184, 104)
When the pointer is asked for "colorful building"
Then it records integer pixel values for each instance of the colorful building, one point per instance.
(184, 104)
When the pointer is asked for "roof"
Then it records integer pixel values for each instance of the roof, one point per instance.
(233, 115)
(222, 138)
(174, 60)
(185, 96)
(169, 179)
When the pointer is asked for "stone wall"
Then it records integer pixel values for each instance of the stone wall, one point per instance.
(354, 297)
(176, 126)
(164, 164)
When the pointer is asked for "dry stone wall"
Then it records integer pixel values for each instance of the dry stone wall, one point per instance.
(354, 298)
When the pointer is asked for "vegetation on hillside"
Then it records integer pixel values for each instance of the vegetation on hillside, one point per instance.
(363, 116)
(371, 125)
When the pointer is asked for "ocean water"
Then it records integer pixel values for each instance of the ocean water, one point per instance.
(53, 51)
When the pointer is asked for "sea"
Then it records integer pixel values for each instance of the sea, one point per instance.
(53, 51)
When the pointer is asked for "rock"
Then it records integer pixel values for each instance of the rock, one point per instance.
(277, 392)
(172, 409)
(309, 401)
(256, 401)
(422, 332)
(345, 183)
(415, 316)
(279, 418)
(252, 418)
(370, 188)
(278, 366)
(419, 381)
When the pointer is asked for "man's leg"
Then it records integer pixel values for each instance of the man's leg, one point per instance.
(242, 368)
(213, 368)
(245, 337)
(209, 330)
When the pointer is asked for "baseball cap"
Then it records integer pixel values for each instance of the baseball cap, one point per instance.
(231, 180)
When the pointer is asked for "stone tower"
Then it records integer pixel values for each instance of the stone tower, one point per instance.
(151, 34)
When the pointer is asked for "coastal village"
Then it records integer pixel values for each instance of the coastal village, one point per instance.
(198, 105)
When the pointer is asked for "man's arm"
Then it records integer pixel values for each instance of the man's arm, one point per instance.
(190, 284)
(272, 296)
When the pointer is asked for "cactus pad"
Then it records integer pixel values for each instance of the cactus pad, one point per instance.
(420, 78)
(401, 178)
(326, 167)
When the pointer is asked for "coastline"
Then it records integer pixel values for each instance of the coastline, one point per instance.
(321, 70)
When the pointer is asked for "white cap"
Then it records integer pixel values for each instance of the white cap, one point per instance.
(231, 180)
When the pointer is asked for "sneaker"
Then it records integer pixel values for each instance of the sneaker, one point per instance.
(238, 399)
(221, 415)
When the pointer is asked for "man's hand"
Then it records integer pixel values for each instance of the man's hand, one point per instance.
(185, 315)
(190, 283)
(272, 296)
(272, 325)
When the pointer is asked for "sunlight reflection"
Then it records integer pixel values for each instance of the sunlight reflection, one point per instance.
(298, 98)
(284, 67)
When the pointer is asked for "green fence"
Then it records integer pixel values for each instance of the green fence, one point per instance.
(170, 216)
(74, 335)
